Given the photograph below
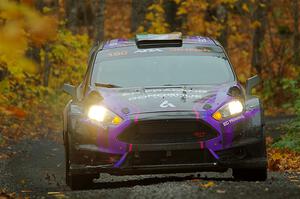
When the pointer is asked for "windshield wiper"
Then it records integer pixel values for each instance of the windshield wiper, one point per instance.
(107, 85)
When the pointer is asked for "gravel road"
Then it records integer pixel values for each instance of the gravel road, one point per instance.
(37, 171)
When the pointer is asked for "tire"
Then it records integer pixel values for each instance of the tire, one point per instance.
(81, 181)
(76, 181)
(253, 174)
(67, 161)
(67, 166)
(258, 174)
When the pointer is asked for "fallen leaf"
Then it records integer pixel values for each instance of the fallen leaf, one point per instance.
(57, 194)
(283, 160)
(53, 193)
(208, 185)
(22, 181)
(221, 191)
(293, 177)
(269, 140)
(266, 189)
(3, 156)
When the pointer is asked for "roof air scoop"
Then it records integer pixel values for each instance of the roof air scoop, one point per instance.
(159, 40)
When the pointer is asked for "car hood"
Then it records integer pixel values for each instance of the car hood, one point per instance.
(129, 101)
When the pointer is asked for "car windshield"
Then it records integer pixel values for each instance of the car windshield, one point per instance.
(162, 70)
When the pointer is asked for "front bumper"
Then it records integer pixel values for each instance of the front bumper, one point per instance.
(134, 162)
(239, 144)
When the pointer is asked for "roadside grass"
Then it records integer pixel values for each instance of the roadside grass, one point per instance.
(291, 140)
(284, 153)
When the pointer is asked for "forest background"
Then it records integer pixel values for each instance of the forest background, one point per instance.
(45, 43)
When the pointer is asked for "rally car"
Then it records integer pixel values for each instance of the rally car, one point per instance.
(162, 103)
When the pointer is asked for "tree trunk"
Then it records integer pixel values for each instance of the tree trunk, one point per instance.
(259, 15)
(138, 12)
(3, 71)
(33, 52)
(222, 15)
(296, 36)
(39, 4)
(47, 66)
(99, 19)
(174, 22)
(71, 7)
(83, 11)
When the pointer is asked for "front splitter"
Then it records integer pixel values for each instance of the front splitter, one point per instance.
(148, 169)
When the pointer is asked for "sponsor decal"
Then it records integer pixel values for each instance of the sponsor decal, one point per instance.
(203, 40)
(166, 104)
(160, 93)
(167, 90)
(148, 50)
(204, 49)
(175, 95)
(232, 120)
(117, 54)
(174, 90)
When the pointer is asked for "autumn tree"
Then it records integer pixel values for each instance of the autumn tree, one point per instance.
(20, 26)
(138, 12)
(296, 36)
(260, 36)
(175, 22)
(71, 7)
(222, 16)
(260, 18)
(99, 19)
(33, 51)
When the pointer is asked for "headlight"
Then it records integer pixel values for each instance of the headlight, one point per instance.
(102, 114)
(230, 109)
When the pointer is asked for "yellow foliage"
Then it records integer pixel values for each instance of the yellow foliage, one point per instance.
(255, 24)
(283, 160)
(21, 26)
(208, 184)
(228, 1)
(117, 21)
(156, 18)
(68, 56)
(245, 7)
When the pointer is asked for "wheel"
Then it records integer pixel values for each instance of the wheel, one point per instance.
(81, 181)
(76, 181)
(254, 174)
(258, 174)
(67, 166)
(67, 161)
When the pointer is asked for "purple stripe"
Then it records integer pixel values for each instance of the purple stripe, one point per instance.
(214, 154)
(121, 161)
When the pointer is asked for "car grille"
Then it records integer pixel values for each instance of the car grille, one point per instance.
(167, 131)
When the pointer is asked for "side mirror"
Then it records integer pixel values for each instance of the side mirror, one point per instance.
(251, 83)
(71, 90)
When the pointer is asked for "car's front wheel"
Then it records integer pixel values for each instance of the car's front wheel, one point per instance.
(257, 174)
(76, 181)
(81, 181)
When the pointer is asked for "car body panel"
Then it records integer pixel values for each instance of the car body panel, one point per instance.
(195, 103)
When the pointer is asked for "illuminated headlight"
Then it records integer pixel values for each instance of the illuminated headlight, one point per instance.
(228, 110)
(102, 114)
